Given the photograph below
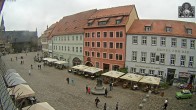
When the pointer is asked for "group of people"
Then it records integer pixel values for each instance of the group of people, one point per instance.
(105, 106)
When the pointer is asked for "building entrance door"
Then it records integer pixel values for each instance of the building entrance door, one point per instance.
(170, 75)
(106, 67)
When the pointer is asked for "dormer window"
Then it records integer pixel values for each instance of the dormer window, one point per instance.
(189, 31)
(90, 22)
(147, 28)
(168, 29)
(103, 21)
(119, 19)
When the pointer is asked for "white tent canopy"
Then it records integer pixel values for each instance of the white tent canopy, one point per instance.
(39, 106)
(21, 91)
(11, 76)
(15, 81)
(10, 71)
(80, 67)
(114, 74)
(131, 77)
(45, 59)
(52, 60)
(150, 80)
(61, 62)
(92, 70)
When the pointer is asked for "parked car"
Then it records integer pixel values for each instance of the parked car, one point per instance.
(184, 94)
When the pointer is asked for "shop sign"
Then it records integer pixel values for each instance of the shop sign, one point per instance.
(184, 74)
(173, 50)
(147, 67)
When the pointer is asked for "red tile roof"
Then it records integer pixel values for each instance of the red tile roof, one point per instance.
(73, 24)
(114, 11)
(47, 33)
(111, 15)
(158, 28)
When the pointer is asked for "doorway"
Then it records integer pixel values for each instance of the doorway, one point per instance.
(106, 67)
(170, 75)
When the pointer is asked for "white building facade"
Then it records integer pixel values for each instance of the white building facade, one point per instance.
(68, 48)
(166, 56)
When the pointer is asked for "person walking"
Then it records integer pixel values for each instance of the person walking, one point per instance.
(165, 104)
(29, 72)
(40, 66)
(86, 89)
(106, 92)
(104, 107)
(89, 90)
(117, 106)
(97, 101)
(110, 86)
(31, 66)
(67, 80)
(21, 62)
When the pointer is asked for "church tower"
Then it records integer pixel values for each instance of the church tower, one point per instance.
(2, 27)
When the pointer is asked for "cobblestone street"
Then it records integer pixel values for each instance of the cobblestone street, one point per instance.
(50, 85)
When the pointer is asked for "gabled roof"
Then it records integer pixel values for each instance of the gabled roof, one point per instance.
(159, 28)
(73, 24)
(114, 11)
(111, 14)
(47, 33)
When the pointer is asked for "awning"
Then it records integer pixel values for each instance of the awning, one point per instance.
(10, 71)
(132, 77)
(13, 81)
(61, 62)
(39, 106)
(45, 59)
(92, 70)
(150, 80)
(11, 76)
(21, 91)
(80, 67)
(52, 60)
(114, 74)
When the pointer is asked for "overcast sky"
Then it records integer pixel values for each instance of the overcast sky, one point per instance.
(32, 14)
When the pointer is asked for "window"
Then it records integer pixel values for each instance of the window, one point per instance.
(182, 60)
(172, 59)
(98, 55)
(189, 31)
(110, 56)
(162, 58)
(68, 38)
(80, 37)
(134, 39)
(93, 54)
(73, 49)
(76, 49)
(160, 73)
(76, 37)
(168, 29)
(102, 22)
(134, 56)
(163, 41)
(118, 21)
(142, 71)
(151, 72)
(97, 64)
(191, 60)
(98, 34)
(147, 28)
(104, 44)
(144, 40)
(65, 48)
(64, 38)
(192, 44)
(88, 44)
(62, 48)
(93, 44)
(68, 48)
(73, 38)
(152, 57)
(115, 67)
(132, 70)
(173, 42)
(111, 45)
(59, 46)
(98, 44)
(93, 34)
(81, 49)
(111, 34)
(105, 34)
(184, 43)
(121, 34)
(118, 57)
(119, 45)
(117, 34)
(143, 56)
(153, 41)
(104, 55)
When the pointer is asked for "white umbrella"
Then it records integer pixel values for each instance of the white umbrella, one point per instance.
(150, 80)
(114, 74)
(131, 77)
(39, 106)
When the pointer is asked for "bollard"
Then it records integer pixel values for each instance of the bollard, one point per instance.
(140, 106)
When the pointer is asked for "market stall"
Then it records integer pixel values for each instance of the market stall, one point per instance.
(51, 61)
(92, 72)
(112, 76)
(132, 79)
(61, 64)
(39, 106)
(14, 79)
(78, 69)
